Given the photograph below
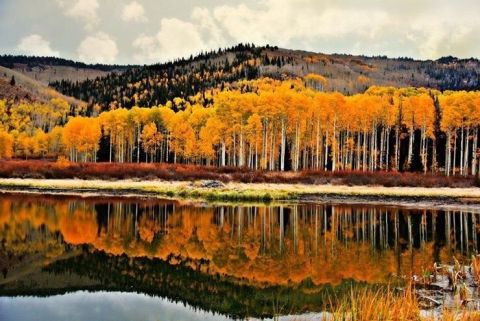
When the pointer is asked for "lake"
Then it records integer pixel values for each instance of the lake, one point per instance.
(152, 259)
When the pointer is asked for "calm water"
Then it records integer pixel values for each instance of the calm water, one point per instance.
(117, 259)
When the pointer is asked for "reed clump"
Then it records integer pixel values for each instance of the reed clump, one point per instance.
(391, 304)
(475, 269)
(368, 304)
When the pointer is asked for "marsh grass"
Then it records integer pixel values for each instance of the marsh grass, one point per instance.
(165, 189)
(238, 192)
(475, 269)
(458, 315)
(389, 304)
(228, 195)
(367, 304)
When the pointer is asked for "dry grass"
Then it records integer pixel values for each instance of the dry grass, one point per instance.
(233, 191)
(475, 269)
(367, 304)
(459, 315)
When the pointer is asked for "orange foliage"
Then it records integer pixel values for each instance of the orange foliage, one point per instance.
(317, 242)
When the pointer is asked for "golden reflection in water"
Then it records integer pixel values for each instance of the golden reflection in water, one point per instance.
(272, 244)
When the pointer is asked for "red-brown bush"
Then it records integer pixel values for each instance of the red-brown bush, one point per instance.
(113, 171)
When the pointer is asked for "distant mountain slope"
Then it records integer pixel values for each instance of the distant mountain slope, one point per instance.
(26, 88)
(351, 74)
(50, 69)
(155, 84)
(48, 74)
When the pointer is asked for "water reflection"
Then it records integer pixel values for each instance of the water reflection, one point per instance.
(101, 306)
(235, 253)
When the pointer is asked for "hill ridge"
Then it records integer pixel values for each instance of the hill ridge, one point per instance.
(155, 84)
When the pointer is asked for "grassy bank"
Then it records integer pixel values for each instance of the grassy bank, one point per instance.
(235, 191)
(152, 188)
(369, 304)
(171, 172)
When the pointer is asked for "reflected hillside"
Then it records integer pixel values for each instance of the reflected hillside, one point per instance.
(274, 245)
(244, 257)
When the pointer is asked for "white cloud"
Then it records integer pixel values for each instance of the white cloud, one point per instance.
(242, 25)
(36, 45)
(437, 38)
(427, 29)
(98, 48)
(82, 10)
(146, 49)
(176, 39)
(278, 22)
(134, 12)
(208, 27)
(421, 29)
(283, 21)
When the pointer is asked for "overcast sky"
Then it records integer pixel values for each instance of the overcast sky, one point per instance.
(146, 31)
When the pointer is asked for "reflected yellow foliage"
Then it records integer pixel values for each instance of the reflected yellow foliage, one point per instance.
(262, 244)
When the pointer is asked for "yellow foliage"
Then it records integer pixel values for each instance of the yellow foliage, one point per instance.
(6, 145)
(81, 137)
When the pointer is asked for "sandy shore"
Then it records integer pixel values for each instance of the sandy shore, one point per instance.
(406, 196)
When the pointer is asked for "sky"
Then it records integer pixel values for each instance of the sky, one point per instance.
(149, 31)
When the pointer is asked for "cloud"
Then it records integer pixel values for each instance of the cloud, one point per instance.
(408, 28)
(284, 21)
(207, 26)
(279, 22)
(424, 29)
(441, 38)
(146, 49)
(82, 10)
(98, 48)
(175, 39)
(134, 12)
(36, 45)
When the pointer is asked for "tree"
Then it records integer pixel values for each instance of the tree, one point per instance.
(263, 124)
(81, 138)
(150, 139)
(55, 141)
(318, 82)
(4, 117)
(210, 137)
(6, 145)
(24, 146)
(40, 143)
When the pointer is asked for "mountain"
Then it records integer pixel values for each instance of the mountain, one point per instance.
(150, 85)
(50, 69)
(25, 88)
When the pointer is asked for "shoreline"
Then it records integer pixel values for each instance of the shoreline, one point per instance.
(411, 197)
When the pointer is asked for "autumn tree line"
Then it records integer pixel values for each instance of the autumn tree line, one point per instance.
(264, 124)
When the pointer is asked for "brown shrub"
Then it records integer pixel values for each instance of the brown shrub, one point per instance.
(109, 171)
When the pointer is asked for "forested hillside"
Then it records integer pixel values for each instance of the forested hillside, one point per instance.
(266, 124)
(115, 86)
(156, 84)
(312, 112)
